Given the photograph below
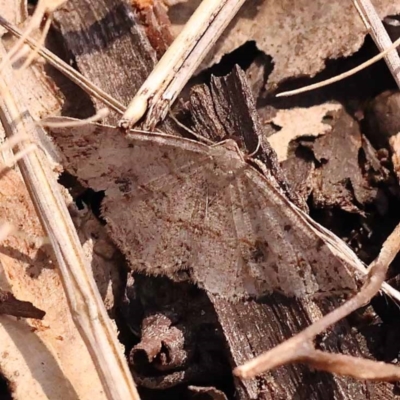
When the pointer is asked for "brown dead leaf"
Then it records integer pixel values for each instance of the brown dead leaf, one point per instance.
(298, 122)
(299, 34)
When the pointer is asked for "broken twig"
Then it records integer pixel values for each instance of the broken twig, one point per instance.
(378, 33)
(301, 349)
(179, 62)
(11, 306)
(85, 303)
(340, 77)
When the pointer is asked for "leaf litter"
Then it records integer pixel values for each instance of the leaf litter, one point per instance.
(206, 185)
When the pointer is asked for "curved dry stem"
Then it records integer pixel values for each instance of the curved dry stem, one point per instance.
(341, 76)
(299, 348)
(41, 41)
(43, 7)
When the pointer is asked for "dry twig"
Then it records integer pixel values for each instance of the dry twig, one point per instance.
(84, 300)
(179, 62)
(378, 33)
(301, 349)
(67, 70)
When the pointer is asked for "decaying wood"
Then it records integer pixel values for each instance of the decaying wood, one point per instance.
(109, 46)
(180, 340)
(340, 180)
(153, 16)
(300, 348)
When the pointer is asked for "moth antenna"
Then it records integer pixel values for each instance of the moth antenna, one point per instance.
(69, 123)
(196, 135)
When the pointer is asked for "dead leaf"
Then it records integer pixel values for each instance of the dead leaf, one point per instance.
(298, 122)
(299, 34)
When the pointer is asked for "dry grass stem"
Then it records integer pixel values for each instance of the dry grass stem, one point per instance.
(180, 61)
(67, 70)
(300, 348)
(340, 77)
(43, 8)
(32, 55)
(85, 303)
(378, 33)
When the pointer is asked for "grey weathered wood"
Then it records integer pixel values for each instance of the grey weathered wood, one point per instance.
(109, 45)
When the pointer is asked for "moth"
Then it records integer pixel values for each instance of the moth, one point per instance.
(190, 211)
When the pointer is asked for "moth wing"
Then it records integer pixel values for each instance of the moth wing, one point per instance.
(165, 203)
(283, 251)
(174, 210)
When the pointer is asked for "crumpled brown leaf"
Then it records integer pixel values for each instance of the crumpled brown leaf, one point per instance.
(299, 34)
(298, 122)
